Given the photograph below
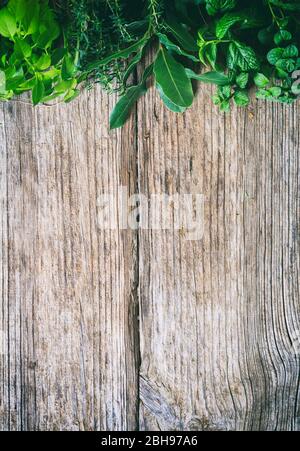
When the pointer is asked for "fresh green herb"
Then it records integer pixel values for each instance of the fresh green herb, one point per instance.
(31, 55)
(255, 45)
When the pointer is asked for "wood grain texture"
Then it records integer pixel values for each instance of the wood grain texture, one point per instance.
(69, 359)
(119, 330)
(220, 316)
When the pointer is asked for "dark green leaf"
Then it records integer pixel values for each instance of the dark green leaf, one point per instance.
(68, 68)
(175, 48)
(23, 48)
(275, 55)
(18, 9)
(182, 35)
(169, 104)
(215, 78)
(122, 54)
(58, 55)
(122, 110)
(173, 80)
(31, 19)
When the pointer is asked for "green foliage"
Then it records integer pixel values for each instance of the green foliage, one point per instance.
(30, 56)
(243, 45)
(256, 46)
(51, 47)
(99, 31)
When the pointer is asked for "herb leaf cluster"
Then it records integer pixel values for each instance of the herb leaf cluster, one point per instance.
(30, 58)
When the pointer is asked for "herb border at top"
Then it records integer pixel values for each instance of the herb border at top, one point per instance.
(56, 48)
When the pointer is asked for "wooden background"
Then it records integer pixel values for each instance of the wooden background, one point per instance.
(125, 330)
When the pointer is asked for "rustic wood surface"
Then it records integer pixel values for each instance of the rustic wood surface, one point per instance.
(124, 330)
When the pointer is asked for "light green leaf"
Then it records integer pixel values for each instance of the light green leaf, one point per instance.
(211, 52)
(8, 23)
(275, 91)
(263, 94)
(14, 78)
(172, 78)
(44, 62)
(65, 86)
(2, 82)
(27, 85)
(261, 80)
(225, 106)
(71, 95)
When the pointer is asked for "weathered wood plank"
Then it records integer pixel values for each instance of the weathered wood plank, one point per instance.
(68, 303)
(220, 316)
